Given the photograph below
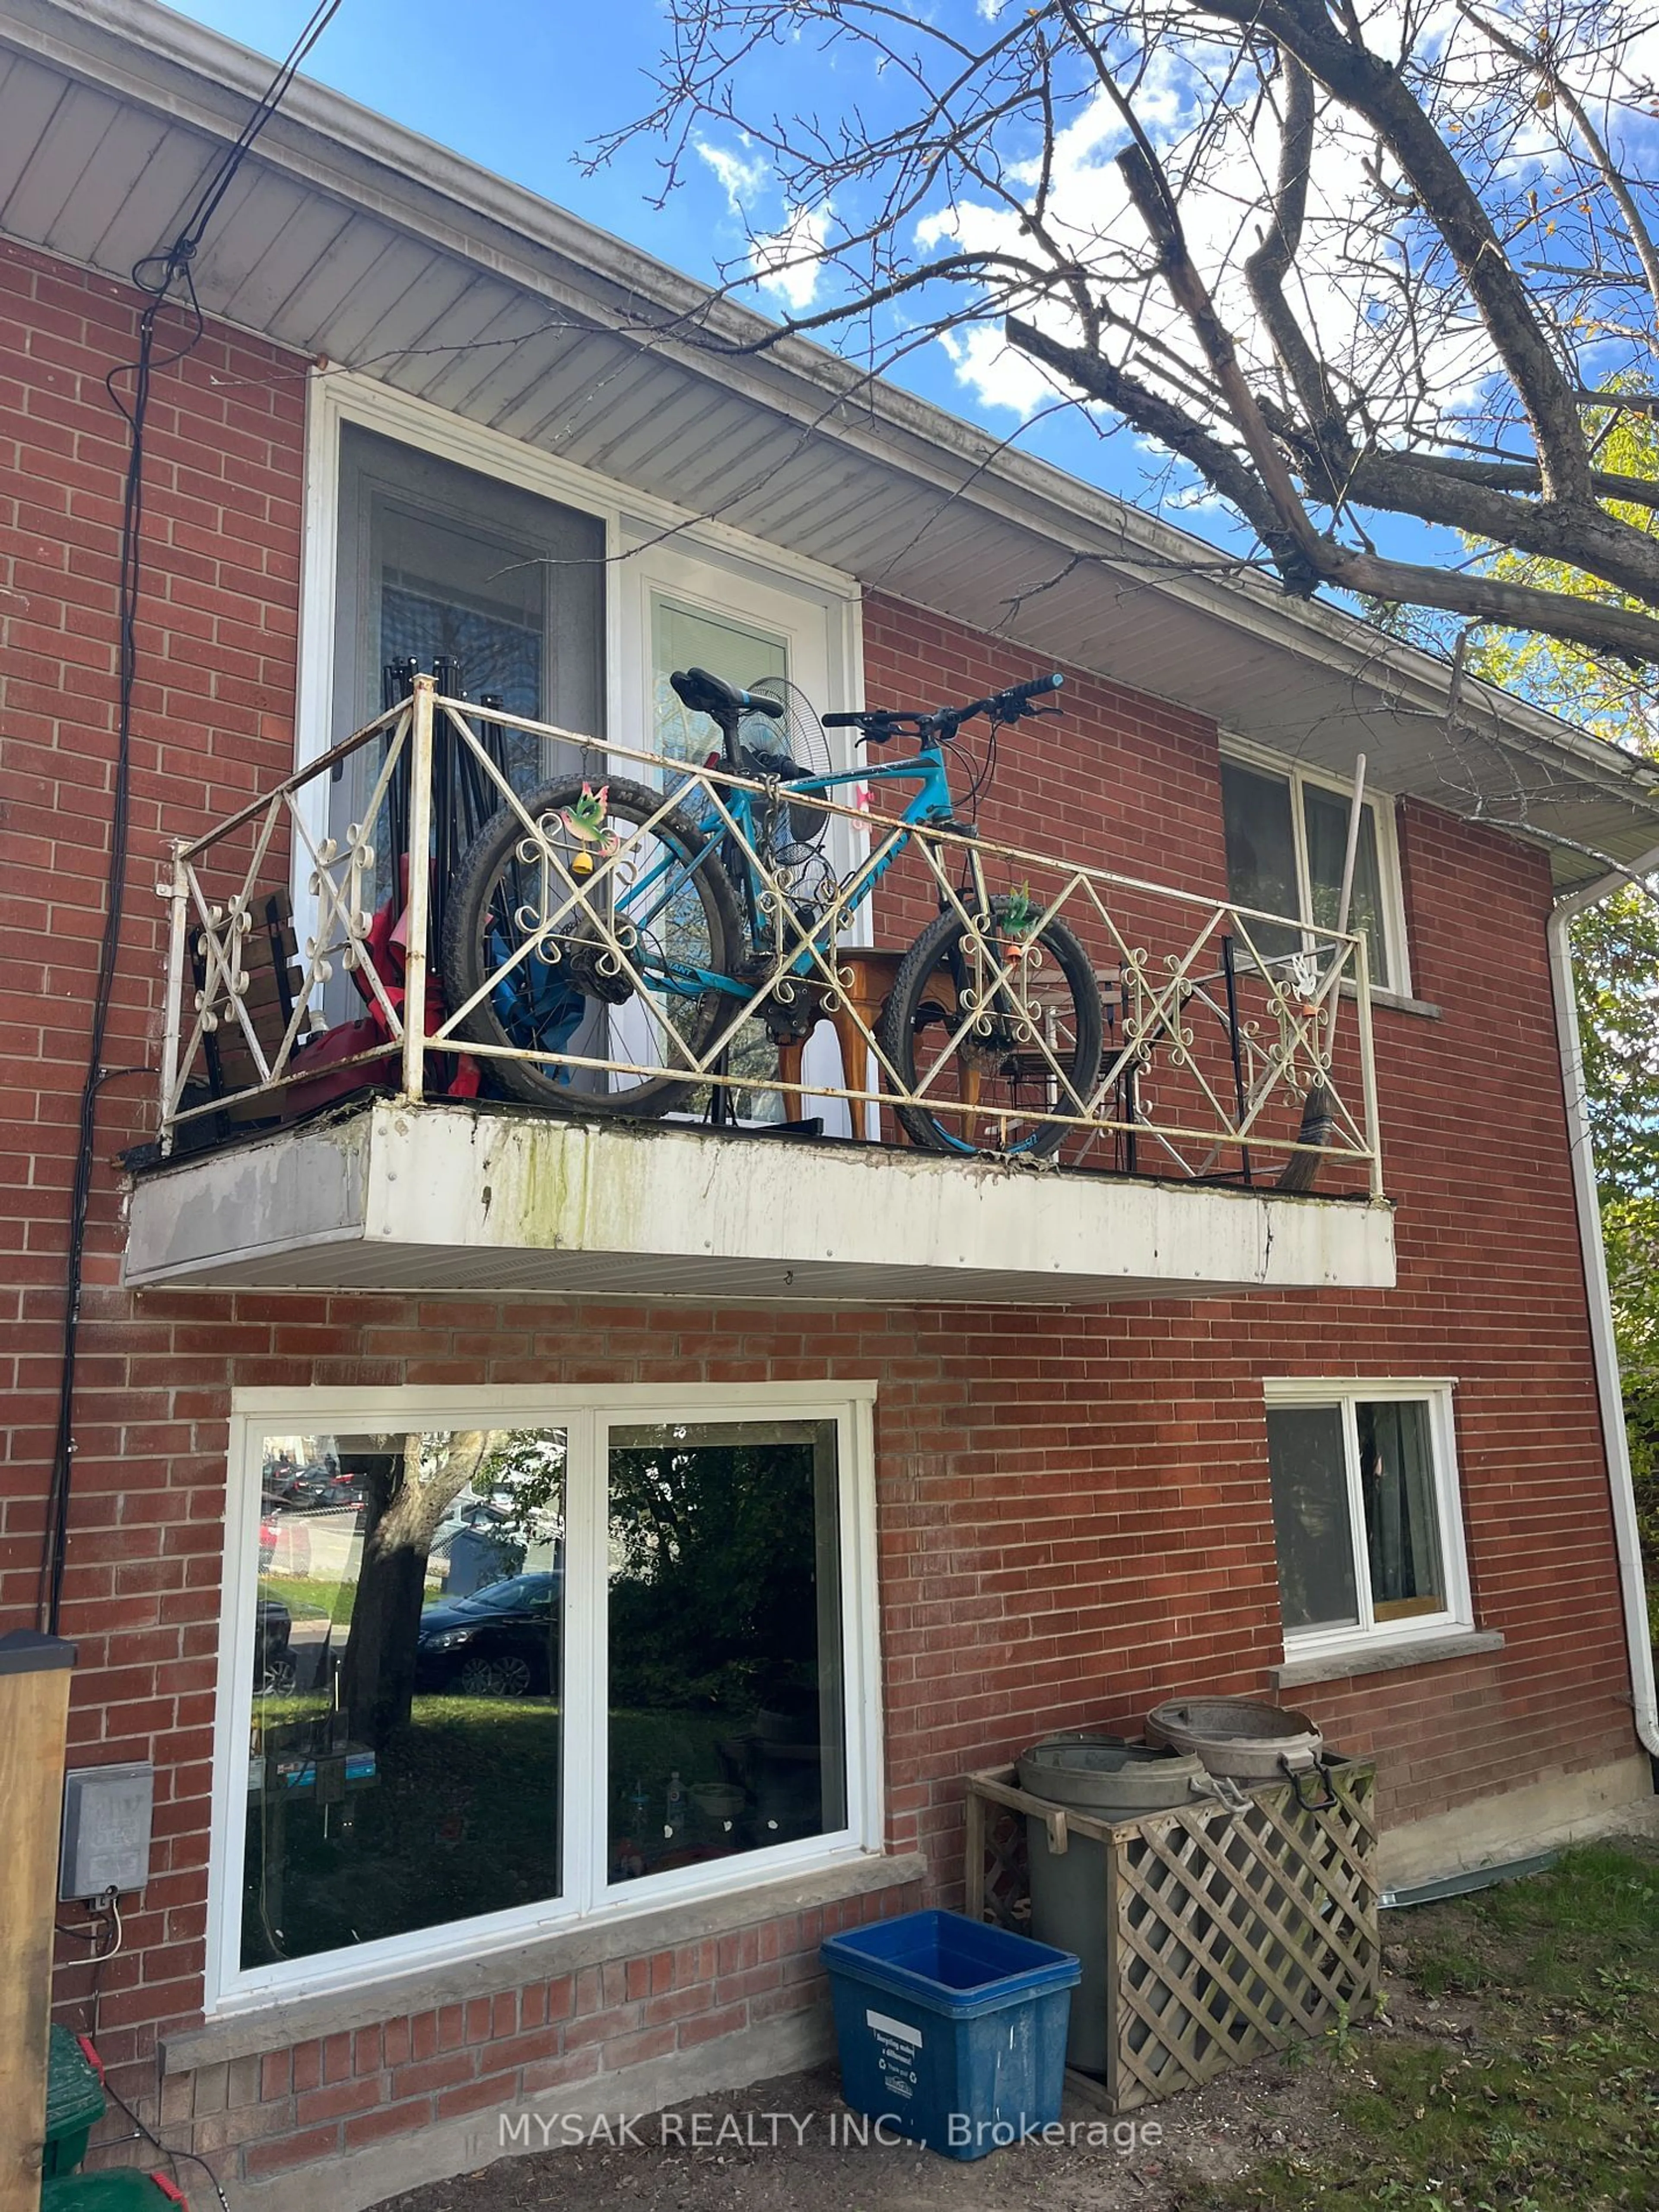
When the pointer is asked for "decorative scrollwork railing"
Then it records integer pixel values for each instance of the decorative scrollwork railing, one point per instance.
(305, 961)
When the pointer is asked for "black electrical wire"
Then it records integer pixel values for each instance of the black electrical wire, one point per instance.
(166, 2150)
(109, 1906)
(157, 275)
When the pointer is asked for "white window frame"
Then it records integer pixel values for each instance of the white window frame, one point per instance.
(645, 538)
(1382, 807)
(732, 587)
(585, 1413)
(1369, 1633)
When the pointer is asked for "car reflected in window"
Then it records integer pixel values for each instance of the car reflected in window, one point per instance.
(501, 1642)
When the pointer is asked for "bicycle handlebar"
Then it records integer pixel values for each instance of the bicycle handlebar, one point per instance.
(881, 724)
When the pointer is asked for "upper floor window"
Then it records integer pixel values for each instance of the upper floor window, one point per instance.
(1287, 839)
(436, 546)
(1366, 1519)
(512, 575)
(494, 589)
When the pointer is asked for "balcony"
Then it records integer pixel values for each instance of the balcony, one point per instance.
(528, 1066)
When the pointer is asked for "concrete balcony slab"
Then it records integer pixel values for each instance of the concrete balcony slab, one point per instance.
(440, 1197)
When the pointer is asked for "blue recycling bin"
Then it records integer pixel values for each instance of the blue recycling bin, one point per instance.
(952, 2032)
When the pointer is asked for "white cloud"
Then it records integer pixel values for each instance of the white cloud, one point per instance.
(995, 375)
(1340, 295)
(789, 263)
(743, 176)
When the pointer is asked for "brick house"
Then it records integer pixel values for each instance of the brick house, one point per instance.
(1007, 1452)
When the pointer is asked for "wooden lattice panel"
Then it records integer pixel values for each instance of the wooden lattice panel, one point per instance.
(996, 1847)
(1231, 1931)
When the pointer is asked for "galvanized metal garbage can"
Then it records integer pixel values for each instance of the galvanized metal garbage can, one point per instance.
(1234, 1924)
(1111, 1779)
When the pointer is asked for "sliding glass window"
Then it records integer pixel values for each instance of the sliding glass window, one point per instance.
(489, 1673)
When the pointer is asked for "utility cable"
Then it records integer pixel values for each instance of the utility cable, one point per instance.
(172, 2156)
(109, 1906)
(156, 275)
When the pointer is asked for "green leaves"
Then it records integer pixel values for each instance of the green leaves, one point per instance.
(1616, 953)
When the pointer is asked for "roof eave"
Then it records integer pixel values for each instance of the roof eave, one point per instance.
(170, 64)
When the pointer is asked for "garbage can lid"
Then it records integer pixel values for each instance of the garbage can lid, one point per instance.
(1096, 1754)
(75, 2090)
(1108, 1776)
(1229, 1721)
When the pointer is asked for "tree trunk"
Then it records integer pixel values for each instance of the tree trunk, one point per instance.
(402, 1511)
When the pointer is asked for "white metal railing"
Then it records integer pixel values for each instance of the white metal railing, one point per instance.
(1225, 1055)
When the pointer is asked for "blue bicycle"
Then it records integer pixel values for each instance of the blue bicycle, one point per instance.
(628, 937)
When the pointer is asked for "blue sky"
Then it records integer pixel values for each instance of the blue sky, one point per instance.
(521, 87)
(524, 86)
(517, 85)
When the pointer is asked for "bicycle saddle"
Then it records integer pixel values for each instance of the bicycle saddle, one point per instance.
(712, 694)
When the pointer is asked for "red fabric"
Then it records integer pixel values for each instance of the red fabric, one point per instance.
(385, 940)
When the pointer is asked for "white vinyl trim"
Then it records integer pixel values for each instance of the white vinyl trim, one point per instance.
(1381, 806)
(583, 1414)
(1347, 1392)
(1609, 1389)
(644, 537)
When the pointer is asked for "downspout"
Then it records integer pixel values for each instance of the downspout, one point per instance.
(1609, 1389)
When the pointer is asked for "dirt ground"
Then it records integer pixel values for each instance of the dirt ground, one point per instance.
(1212, 2135)
(1513, 2063)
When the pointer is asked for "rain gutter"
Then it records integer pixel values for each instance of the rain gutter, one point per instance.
(1609, 1390)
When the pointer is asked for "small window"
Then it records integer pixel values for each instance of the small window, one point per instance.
(1287, 838)
(500, 1675)
(1365, 1512)
(684, 636)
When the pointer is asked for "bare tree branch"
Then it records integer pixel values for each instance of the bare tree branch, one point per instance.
(1327, 261)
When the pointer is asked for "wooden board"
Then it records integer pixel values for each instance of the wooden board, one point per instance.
(34, 1686)
(1230, 1930)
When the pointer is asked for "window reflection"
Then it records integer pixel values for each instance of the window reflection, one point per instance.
(726, 1723)
(404, 1740)
(1402, 1535)
(1327, 817)
(407, 1720)
(1307, 1457)
(1261, 852)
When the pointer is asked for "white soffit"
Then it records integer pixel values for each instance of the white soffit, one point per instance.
(348, 237)
(449, 1198)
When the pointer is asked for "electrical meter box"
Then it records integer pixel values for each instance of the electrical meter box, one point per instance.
(107, 1819)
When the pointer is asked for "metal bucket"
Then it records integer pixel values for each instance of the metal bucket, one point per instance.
(1243, 1738)
(1110, 1779)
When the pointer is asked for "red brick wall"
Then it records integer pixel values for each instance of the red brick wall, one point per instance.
(1074, 1512)
(261, 2116)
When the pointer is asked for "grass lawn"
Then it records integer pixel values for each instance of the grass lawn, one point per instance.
(309, 1597)
(461, 1817)
(312, 1597)
(1519, 2071)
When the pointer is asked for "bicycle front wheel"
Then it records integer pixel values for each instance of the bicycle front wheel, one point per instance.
(992, 1024)
(597, 935)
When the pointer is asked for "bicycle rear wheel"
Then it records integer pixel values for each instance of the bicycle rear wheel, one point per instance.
(994, 1027)
(606, 955)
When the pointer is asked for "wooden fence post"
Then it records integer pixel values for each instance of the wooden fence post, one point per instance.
(34, 1687)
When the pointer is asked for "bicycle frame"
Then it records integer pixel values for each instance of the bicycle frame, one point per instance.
(931, 802)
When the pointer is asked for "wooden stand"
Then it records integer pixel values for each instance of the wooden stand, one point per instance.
(34, 1687)
(1231, 1931)
(869, 979)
